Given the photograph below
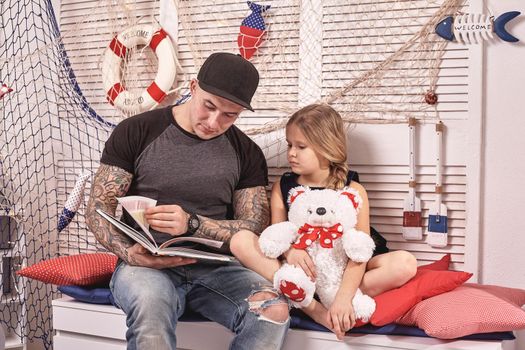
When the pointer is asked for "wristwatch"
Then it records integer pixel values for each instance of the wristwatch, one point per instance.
(193, 223)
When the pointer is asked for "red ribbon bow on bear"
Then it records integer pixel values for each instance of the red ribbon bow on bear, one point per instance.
(326, 235)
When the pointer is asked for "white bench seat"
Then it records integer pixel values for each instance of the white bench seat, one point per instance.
(83, 326)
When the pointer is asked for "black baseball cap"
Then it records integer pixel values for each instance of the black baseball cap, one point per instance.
(229, 76)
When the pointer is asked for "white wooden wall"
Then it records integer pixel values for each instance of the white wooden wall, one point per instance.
(378, 152)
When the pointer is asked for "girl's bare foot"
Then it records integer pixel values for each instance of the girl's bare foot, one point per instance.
(318, 313)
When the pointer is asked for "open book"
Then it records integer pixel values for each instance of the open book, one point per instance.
(172, 246)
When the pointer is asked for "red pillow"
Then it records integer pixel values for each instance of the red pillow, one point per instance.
(395, 303)
(468, 309)
(78, 270)
(440, 265)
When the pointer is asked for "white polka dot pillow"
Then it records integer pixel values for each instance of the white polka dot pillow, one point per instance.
(79, 270)
(468, 309)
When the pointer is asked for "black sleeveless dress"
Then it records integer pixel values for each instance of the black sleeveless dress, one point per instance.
(289, 181)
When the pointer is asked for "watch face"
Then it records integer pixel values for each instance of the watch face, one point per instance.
(194, 223)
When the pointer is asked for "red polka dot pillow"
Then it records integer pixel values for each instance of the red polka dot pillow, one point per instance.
(78, 270)
(468, 309)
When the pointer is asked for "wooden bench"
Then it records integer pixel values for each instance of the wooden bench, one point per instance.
(83, 326)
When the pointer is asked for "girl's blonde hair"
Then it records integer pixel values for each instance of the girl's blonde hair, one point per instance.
(323, 128)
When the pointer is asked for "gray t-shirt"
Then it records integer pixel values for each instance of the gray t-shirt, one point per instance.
(176, 167)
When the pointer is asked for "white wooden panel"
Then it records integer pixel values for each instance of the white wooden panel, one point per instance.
(474, 148)
(67, 341)
(70, 315)
(378, 152)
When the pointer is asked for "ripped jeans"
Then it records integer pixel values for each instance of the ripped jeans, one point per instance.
(153, 301)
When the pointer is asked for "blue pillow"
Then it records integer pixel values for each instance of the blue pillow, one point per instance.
(88, 295)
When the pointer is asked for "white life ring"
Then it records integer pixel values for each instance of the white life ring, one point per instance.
(160, 43)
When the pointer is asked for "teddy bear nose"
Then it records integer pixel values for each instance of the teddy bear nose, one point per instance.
(320, 211)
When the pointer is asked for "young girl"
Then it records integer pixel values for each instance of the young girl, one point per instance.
(317, 156)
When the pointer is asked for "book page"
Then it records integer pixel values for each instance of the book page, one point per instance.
(209, 242)
(196, 254)
(130, 232)
(135, 206)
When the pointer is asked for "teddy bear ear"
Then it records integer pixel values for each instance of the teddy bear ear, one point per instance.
(295, 192)
(353, 195)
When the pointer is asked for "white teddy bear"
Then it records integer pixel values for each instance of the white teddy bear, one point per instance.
(322, 222)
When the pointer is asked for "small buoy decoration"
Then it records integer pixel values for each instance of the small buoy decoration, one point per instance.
(116, 93)
(431, 98)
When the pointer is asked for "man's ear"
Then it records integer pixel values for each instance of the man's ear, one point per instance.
(193, 86)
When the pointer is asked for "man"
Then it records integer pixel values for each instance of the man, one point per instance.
(208, 179)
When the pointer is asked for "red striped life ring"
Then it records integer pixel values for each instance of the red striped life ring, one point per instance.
(160, 43)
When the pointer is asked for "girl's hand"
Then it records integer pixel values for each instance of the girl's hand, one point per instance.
(299, 257)
(341, 317)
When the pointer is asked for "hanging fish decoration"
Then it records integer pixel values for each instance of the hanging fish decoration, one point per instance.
(4, 89)
(471, 28)
(252, 30)
(73, 201)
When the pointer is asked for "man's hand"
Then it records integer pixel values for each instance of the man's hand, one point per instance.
(171, 219)
(300, 258)
(139, 256)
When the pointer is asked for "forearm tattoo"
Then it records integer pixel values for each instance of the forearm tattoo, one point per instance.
(251, 212)
(109, 183)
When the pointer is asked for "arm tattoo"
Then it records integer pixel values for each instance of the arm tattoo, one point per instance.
(251, 212)
(109, 182)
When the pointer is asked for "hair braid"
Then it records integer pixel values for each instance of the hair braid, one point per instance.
(338, 176)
